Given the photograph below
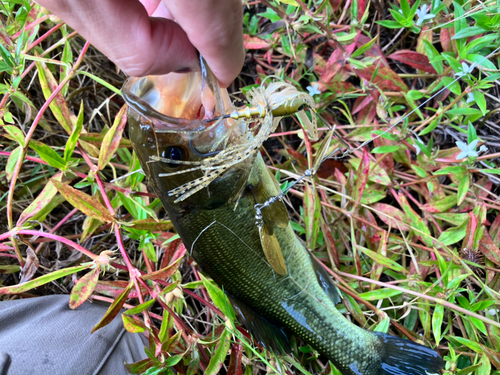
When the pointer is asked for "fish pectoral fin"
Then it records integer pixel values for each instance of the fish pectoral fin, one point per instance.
(265, 333)
(272, 250)
(326, 281)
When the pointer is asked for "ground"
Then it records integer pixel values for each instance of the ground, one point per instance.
(406, 216)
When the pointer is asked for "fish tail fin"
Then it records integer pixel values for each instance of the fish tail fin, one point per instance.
(405, 357)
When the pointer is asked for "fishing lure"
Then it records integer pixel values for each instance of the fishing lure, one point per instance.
(268, 104)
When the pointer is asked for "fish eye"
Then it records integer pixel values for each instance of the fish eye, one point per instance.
(173, 153)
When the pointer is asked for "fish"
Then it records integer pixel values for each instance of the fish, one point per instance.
(167, 126)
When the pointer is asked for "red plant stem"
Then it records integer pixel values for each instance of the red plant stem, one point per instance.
(45, 36)
(29, 232)
(439, 301)
(131, 268)
(19, 163)
(27, 157)
(30, 26)
(197, 277)
(64, 219)
(205, 302)
(178, 321)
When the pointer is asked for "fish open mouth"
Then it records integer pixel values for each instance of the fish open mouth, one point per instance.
(178, 103)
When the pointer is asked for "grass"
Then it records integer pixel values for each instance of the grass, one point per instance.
(407, 220)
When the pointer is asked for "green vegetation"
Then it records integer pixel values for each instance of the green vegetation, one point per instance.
(408, 220)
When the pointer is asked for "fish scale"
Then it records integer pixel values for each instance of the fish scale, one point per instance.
(223, 239)
(246, 275)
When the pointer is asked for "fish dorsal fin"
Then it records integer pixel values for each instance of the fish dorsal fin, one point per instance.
(265, 333)
(326, 281)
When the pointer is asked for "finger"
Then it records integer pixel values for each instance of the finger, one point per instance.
(123, 31)
(215, 28)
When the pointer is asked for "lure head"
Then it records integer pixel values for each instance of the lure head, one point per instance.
(165, 122)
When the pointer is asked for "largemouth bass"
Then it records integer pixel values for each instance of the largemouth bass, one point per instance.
(217, 225)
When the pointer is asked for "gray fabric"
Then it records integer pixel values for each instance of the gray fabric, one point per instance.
(44, 336)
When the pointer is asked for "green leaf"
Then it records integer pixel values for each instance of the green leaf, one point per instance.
(48, 155)
(270, 15)
(149, 251)
(383, 325)
(471, 133)
(7, 57)
(405, 7)
(377, 174)
(114, 308)
(437, 321)
(112, 138)
(435, 58)
(463, 112)
(172, 361)
(83, 288)
(380, 259)
(390, 24)
(463, 188)
(85, 203)
(456, 66)
(451, 170)
(379, 294)
(15, 133)
(422, 148)
(363, 48)
(312, 214)
(12, 161)
(415, 94)
(453, 235)
(480, 100)
(140, 308)
(478, 324)
(492, 171)
(42, 280)
(481, 61)
(416, 222)
(75, 134)
(58, 106)
(219, 298)
(452, 85)
(470, 31)
(219, 355)
(470, 344)
(132, 324)
(385, 149)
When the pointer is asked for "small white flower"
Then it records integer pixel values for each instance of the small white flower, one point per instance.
(483, 148)
(470, 98)
(422, 14)
(468, 150)
(313, 90)
(466, 69)
(417, 148)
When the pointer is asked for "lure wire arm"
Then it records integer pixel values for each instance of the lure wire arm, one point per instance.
(307, 173)
(197, 153)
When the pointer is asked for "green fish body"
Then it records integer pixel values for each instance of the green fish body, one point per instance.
(217, 225)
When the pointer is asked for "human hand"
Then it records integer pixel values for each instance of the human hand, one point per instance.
(140, 45)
